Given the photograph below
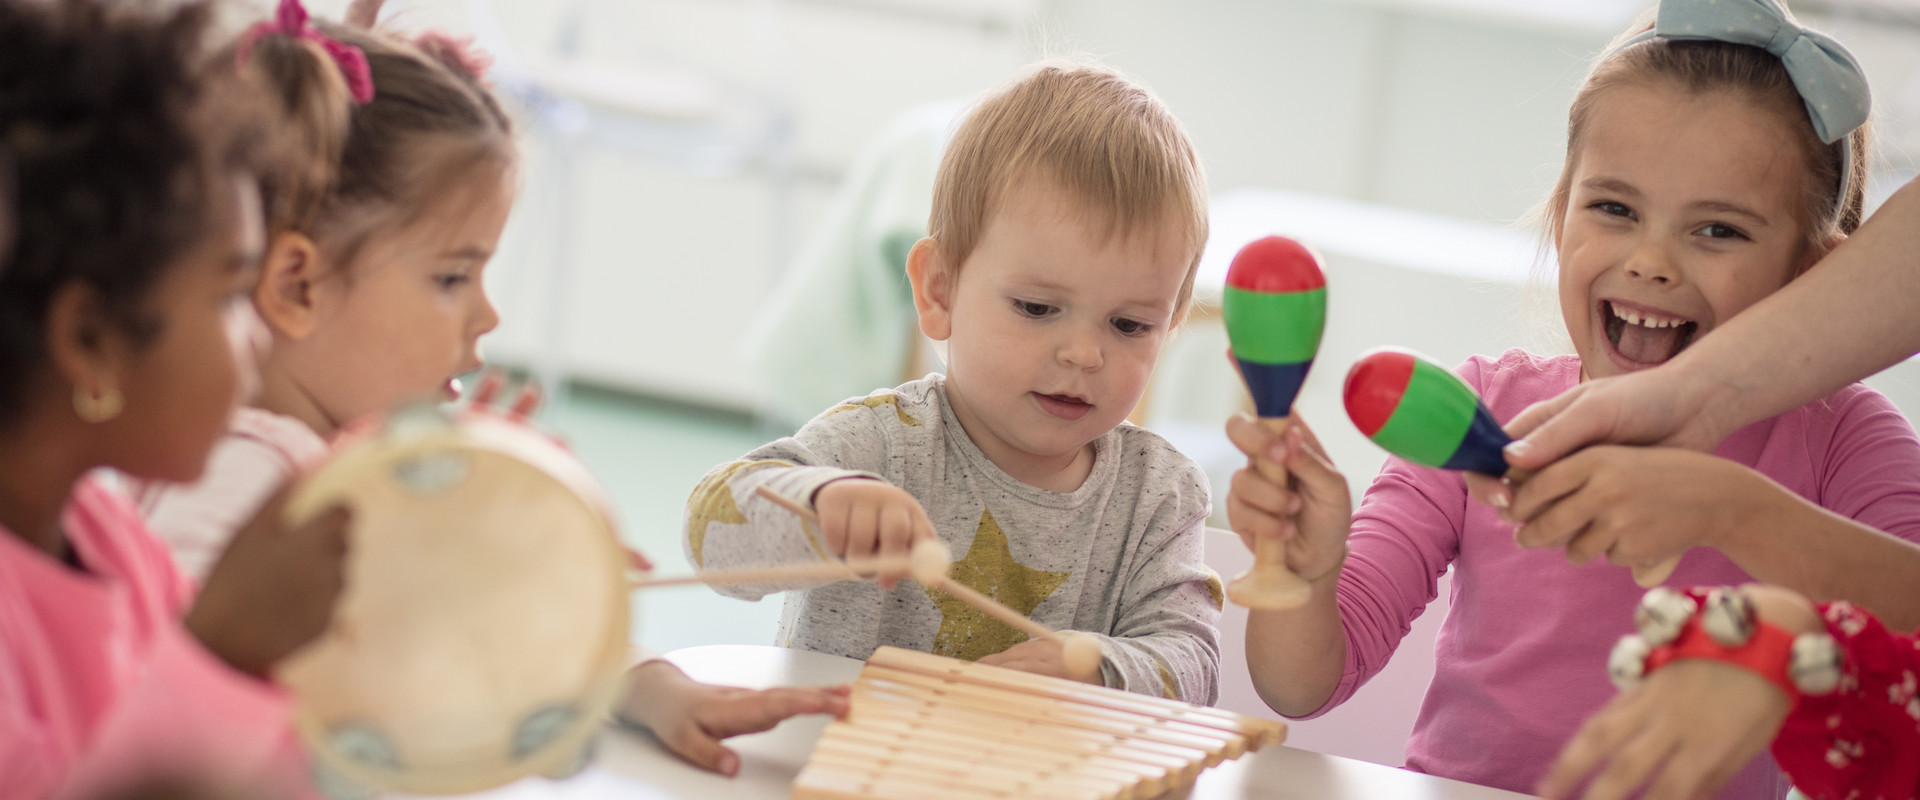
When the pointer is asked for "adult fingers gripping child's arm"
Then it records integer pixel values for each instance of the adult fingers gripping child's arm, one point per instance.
(1637, 506)
(1652, 407)
(274, 588)
(693, 718)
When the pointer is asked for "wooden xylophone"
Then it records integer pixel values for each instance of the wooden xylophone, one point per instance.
(927, 727)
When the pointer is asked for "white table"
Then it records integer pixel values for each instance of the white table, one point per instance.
(633, 766)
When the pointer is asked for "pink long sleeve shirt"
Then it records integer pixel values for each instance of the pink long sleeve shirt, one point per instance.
(1521, 658)
(99, 681)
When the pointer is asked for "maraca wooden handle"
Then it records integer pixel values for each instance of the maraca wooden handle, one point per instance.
(1270, 585)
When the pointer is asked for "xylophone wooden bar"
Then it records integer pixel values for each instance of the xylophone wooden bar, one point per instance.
(1269, 732)
(925, 727)
(933, 719)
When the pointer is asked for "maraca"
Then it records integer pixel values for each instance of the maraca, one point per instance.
(1419, 411)
(1276, 309)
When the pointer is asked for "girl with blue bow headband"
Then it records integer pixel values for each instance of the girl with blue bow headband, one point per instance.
(1711, 158)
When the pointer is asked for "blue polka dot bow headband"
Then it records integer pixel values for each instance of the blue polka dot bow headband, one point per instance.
(1828, 77)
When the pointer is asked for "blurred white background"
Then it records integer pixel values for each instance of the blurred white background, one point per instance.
(681, 155)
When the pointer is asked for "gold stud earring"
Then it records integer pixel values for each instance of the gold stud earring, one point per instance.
(92, 407)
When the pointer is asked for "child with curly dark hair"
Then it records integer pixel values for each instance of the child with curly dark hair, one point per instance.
(126, 340)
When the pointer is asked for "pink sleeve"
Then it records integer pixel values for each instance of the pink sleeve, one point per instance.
(188, 708)
(1872, 464)
(1404, 536)
(30, 758)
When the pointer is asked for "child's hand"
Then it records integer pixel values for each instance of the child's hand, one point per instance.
(1682, 734)
(274, 588)
(864, 519)
(1313, 512)
(1689, 728)
(1038, 656)
(691, 717)
(1636, 506)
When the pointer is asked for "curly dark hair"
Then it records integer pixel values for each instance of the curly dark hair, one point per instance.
(118, 126)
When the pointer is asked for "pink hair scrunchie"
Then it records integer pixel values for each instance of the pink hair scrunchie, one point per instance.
(291, 20)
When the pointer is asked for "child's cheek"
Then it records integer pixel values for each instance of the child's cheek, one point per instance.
(247, 343)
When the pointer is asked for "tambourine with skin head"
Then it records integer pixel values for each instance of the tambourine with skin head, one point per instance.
(483, 630)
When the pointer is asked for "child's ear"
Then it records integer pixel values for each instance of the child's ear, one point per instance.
(1815, 254)
(87, 350)
(285, 294)
(932, 280)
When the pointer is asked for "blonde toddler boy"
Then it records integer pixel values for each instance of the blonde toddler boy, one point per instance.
(1068, 218)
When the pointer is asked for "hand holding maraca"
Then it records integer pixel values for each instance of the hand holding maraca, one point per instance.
(1311, 511)
(1275, 306)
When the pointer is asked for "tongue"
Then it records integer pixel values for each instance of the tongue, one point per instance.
(1648, 345)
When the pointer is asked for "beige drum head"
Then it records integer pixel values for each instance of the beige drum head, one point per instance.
(483, 629)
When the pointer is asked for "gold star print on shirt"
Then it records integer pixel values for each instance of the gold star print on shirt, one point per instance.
(712, 501)
(968, 633)
(876, 401)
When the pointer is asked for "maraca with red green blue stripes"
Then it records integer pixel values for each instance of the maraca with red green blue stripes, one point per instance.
(1420, 411)
(1276, 310)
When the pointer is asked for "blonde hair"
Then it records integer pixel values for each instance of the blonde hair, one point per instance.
(1701, 67)
(1090, 131)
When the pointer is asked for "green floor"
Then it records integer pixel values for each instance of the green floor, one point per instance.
(649, 455)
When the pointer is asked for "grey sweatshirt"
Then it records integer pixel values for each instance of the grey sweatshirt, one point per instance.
(1119, 558)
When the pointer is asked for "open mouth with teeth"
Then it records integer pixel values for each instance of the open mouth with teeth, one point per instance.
(1646, 338)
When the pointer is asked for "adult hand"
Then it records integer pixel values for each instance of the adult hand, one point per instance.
(1660, 406)
(1636, 506)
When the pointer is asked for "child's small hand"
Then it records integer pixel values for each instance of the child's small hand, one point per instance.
(1636, 506)
(274, 588)
(1313, 512)
(1688, 729)
(1682, 734)
(864, 519)
(691, 718)
(1038, 656)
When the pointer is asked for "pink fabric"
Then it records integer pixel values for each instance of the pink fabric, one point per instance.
(1521, 658)
(99, 682)
(260, 451)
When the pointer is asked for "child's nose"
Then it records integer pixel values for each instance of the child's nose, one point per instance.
(1081, 351)
(1651, 262)
(488, 317)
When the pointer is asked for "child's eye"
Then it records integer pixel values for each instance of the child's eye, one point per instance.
(1717, 230)
(1034, 310)
(451, 280)
(1612, 209)
(1129, 327)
